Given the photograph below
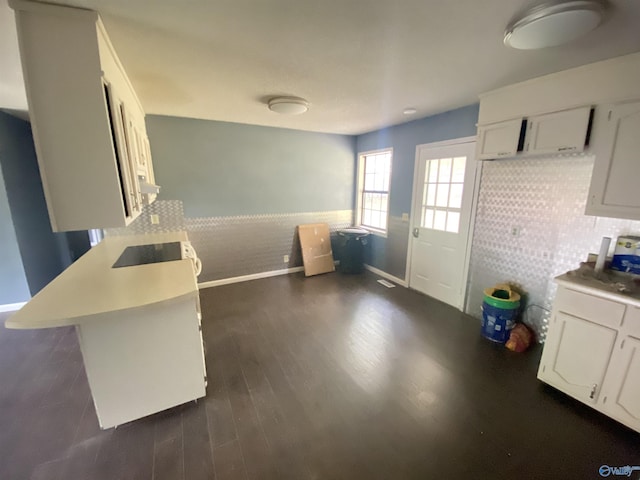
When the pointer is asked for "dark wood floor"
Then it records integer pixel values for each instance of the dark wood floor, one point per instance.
(321, 378)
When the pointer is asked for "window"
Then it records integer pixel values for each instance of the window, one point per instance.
(374, 176)
(442, 202)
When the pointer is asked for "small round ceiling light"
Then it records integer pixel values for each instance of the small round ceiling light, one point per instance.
(410, 111)
(552, 24)
(288, 105)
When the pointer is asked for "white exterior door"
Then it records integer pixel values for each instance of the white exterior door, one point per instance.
(441, 217)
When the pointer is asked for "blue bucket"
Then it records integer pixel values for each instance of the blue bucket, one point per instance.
(497, 322)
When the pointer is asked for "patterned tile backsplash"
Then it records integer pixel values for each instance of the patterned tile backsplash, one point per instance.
(235, 246)
(170, 219)
(530, 227)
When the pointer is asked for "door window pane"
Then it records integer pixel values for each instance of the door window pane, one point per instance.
(444, 173)
(431, 194)
(443, 192)
(442, 197)
(459, 164)
(440, 220)
(427, 221)
(455, 199)
(453, 221)
(433, 171)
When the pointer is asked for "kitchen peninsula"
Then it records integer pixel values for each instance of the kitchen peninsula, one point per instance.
(138, 328)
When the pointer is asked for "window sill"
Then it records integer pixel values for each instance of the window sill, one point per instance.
(372, 231)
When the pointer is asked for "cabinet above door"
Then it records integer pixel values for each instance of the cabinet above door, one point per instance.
(558, 132)
(501, 140)
(548, 134)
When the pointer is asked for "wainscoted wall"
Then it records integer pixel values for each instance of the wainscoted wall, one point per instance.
(243, 245)
(235, 246)
(544, 200)
(390, 254)
(245, 188)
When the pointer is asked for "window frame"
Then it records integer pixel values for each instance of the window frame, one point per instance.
(427, 184)
(360, 190)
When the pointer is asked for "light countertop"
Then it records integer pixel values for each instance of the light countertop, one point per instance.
(91, 288)
(607, 288)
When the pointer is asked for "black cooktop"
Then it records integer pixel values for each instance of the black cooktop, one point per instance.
(152, 253)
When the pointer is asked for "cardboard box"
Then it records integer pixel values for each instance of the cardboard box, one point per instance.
(315, 243)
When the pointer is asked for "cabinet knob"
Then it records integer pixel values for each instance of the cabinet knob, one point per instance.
(593, 391)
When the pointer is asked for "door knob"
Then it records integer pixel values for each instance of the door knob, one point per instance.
(416, 232)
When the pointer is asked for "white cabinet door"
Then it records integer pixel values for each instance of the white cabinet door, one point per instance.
(616, 143)
(623, 391)
(125, 163)
(558, 132)
(576, 356)
(499, 140)
(77, 123)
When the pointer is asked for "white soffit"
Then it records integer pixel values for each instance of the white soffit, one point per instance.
(359, 64)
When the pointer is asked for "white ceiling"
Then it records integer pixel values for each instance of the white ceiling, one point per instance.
(359, 63)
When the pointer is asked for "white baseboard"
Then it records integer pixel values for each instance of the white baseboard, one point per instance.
(253, 276)
(12, 307)
(386, 275)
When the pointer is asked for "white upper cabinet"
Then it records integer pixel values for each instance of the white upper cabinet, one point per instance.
(499, 140)
(548, 134)
(558, 132)
(83, 110)
(616, 144)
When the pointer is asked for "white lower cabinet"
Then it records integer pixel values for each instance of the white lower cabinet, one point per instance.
(143, 361)
(623, 399)
(592, 352)
(582, 353)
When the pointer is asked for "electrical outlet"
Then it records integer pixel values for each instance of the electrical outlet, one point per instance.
(155, 219)
(286, 259)
(515, 231)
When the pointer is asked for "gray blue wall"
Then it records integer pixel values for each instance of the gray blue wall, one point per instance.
(228, 169)
(42, 254)
(13, 283)
(244, 188)
(390, 254)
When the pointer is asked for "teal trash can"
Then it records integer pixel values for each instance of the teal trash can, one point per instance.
(499, 313)
(351, 243)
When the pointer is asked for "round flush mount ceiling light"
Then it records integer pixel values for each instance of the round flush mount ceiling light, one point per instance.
(552, 24)
(410, 111)
(288, 105)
